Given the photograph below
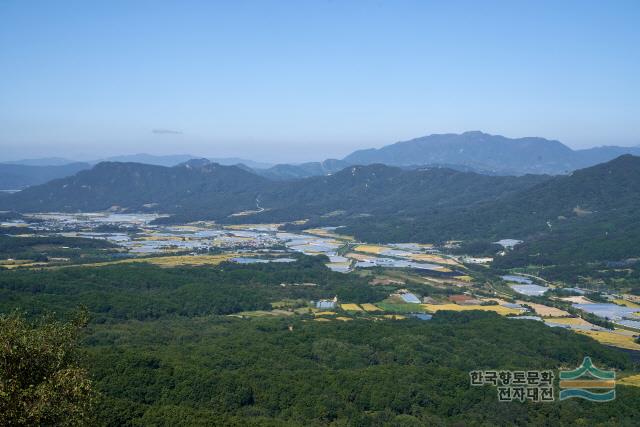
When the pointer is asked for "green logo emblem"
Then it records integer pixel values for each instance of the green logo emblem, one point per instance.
(572, 386)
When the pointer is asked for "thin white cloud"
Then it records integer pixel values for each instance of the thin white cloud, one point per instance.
(166, 132)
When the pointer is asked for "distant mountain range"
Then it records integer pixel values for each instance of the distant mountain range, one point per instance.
(494, 153)
(17, 176)
(173, 160)
(470, 151)
(473, 151)
(592, 211)
(43, 161)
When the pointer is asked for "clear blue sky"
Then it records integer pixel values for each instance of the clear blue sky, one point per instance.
(306, 80)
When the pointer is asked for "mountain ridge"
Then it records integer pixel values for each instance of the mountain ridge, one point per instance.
(473, 150)
(592, 211)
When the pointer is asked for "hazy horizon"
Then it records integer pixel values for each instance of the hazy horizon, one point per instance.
(294, 82)
(177, 152)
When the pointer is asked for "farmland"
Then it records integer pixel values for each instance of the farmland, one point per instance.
(626, 303)
(434, 308)
(632, 380)
(545, 310)
(266, 282)
(572, 321)
(615, 339)
(372, 249)
(171, 261)
(351, 307)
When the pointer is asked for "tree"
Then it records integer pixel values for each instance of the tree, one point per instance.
(41, 380)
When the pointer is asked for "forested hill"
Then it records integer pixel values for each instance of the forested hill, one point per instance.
(591, 211)
(219, 190)
(379, 190)
(603, 193)
(590, 215)
(201, 190)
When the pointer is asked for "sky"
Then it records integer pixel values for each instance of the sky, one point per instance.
(292, 81)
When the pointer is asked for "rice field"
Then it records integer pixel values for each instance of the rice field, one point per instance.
(371, 249)
(263, 313)
(350, 307)
(394, 316)
(324, 313)
(370, 307)
(633, 380)
(577, 300)
(433, 258)
(20, 263)
(545, 310)
(358, 257)
(171, 261)
(613, 339)
(433, 308)
(568, 321)
(626, 303)
(327, 233)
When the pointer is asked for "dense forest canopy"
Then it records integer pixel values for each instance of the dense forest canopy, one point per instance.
(162, 350)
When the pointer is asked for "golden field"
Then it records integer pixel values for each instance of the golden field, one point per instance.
(614, 339)
(433, 258)
(545, 310)
(577, 300)
(358, 257)
(442, 269)
(569, 321)
(15, 263)
(370, 307)
(626, 303)
(326, 233)
(371, 249)
(171, 261)
(633, 380)
(455, 307)
(394, 316)
(350, 307)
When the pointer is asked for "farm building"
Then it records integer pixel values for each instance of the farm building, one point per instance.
(407, 296)
(324, 304)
